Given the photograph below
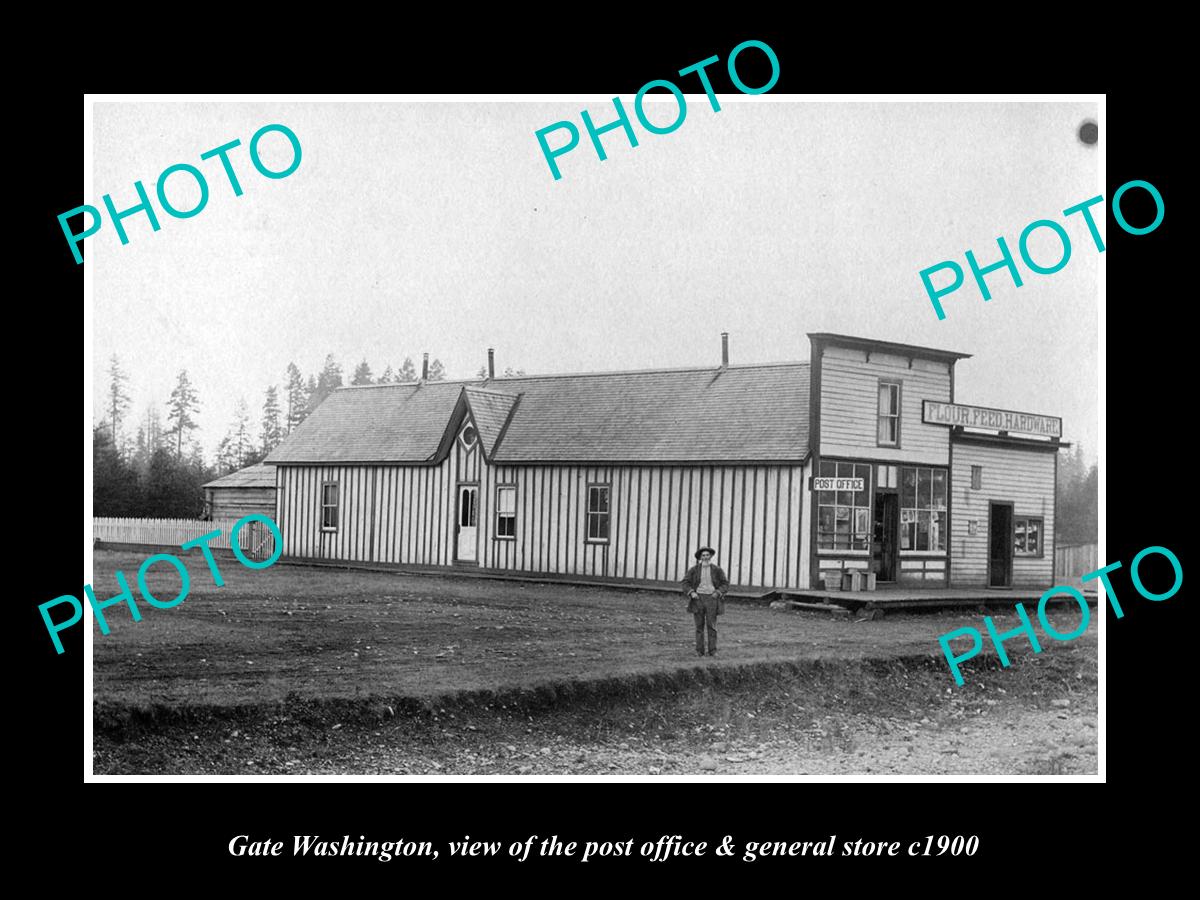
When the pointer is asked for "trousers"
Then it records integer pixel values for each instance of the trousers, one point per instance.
(706, 620)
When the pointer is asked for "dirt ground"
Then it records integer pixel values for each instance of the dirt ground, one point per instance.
(294, 670)
(326, 633)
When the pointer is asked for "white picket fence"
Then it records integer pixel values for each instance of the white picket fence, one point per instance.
(256, 539)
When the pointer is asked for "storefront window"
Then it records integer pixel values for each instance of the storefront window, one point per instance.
(922, 508)
(844, 517)
(1027, 536)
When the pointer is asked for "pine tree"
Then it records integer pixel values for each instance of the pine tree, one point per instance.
(437, 372)
(388, 376)
(362, 374)
(225, 461)
(326, 383)
(408, 372)
(182, 405)
(297, 405)
(272, 433)
(118, 399)
(240, 444)
(310, 395)
(482, 373)
(115, 488)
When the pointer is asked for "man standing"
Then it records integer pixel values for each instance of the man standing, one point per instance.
(705, 586)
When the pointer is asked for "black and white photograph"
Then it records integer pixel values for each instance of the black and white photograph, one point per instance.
(530, 437)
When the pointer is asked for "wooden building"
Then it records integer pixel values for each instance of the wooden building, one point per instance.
(248, 490)
(620, 476)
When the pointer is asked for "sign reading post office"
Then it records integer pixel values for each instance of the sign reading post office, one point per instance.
(838, 484)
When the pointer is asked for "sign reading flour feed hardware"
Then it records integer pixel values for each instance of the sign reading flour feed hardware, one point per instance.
(996, 419)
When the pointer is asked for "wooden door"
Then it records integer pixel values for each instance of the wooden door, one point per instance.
(468, 522)
(1000, 544)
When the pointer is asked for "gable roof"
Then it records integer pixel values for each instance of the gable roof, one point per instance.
(491, 411)
(734, 414)
(258, 475)
(374, 423)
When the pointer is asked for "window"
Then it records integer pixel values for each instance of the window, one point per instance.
(506, 512)
(597, 512)
(469, 436)
(1027, 536)
(922, 508)
(329, 506)
(976, 477)
(844, 517)
(889, 414)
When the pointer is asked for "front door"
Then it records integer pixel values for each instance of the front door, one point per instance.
(468, 521)
(886, 534)
(1000, 542)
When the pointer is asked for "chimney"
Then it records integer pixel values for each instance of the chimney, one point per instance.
(425, 368)
(491, 363)
(724, 349)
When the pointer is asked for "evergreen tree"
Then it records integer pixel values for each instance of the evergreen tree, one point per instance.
(326, 383)
(362, 374)
(240, 443)
(118, 399)
(272, 433)
(225, 460)
(408, 372)
(115, 489)
(437, 372)
(310, 395)
(297, 401)
(182, 405)
(388, 376)
(173, 490)
(510, 372)
(194, 464)
(1078, 500)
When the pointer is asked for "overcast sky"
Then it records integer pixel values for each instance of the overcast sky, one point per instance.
(412, 227)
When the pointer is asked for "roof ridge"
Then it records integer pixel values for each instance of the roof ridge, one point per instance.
(773, 365)
(469, 382)
(506, 396)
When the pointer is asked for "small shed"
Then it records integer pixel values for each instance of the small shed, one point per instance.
(248, 490)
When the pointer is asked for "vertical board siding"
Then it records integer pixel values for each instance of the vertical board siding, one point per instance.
(755, 517)
(850, 405)
(1023, 477)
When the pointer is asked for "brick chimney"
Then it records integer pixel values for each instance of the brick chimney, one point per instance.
(425, 368)
(724, 349)
(491, 363)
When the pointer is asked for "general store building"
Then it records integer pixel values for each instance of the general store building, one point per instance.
(856, 460)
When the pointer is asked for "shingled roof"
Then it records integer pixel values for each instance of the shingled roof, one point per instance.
(259, 475)
(734, 414)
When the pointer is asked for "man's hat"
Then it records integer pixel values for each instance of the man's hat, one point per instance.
(703, 549)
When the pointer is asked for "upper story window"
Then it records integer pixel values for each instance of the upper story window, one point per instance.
(468, 436)
(889, 414)
(329, 505)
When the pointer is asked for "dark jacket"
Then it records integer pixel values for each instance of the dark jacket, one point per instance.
(691, 581)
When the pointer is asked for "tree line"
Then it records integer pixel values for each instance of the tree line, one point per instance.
(156, 467)
(1078, 499)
